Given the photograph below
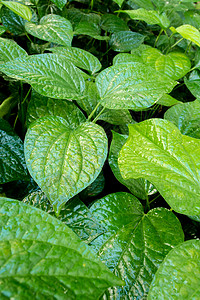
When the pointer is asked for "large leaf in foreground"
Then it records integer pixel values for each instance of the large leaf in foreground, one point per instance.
(132, 85)
(134, 244)
(41, 257)
(52, 28)
(186, 116)
(179, 275)
(12, 162)
(49, 74)
(64, 161)
(158, 152)
(10, 50)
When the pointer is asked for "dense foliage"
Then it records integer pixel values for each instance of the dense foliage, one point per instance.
(100, 149)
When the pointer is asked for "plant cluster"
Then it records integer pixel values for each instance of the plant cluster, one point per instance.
(100, 149)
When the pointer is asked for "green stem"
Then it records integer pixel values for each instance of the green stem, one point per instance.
(154, 199)
(28, 37)
(93, 112)
(96, 118)
(176, 43)
(161, 31)
(26, 96)
(147, 206)
(92, 4)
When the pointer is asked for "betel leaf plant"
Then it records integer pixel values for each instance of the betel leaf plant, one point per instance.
(100, 149)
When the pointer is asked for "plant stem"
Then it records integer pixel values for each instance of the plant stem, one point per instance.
(161, 31)
(26, 96)
(93, 112)
(147, 206)
(176, 43)
(91, 4)
(154, 199)
(96, 118)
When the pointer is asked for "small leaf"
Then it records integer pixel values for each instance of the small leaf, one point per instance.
(41, 256)
(41, 106)
(186, 116)
(125, 41)
(52, 28)
(10, 50)
(169, 160)
(116, 116)
(149, 16)
(179, 275)
(132, 85)
(59, 3)
(12, 162)
(43, 71)
(64, 161)
(2, 29)
(119, 2)
(112, 23)
(91, 29)
(140, 187)
(193, 83)
(19, 9)
(167, 100)
(134, 244)
(190, 33)
(80, 58)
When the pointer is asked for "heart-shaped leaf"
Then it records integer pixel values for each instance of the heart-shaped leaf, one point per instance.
(41, 256)
(134, 244)
(179, 275)
(43, 73)
(132, 85)
(125, 41)
(169, 160)
(12, 162)
(112, 23)
(64, 161)
(19, 9)
(186, 116)
(10, 50)
(190, 33)
(193, 83)
(59, 3)
(52, 28)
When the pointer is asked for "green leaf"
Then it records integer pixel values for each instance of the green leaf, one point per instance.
(186, 116)
(147, 4)
(167, 100)
(19, 9)
(169, 160)
(41, 106)
(132, 85)
(64, 161)
(80, 58)
(174, 64)
(10, 50)
(2, 29)
(116, 116)
(125, 41)
(134, 244)
(43, 71)
(190, 33)
(193, 83)
(192, 18)
(12, 162)
(122, 58)
(179, 275)
(59, 3)
(112, 23)
(42, 256)
(52, 28)
(91, 29)
(149, 16)
(12, 22)
(140, 187)
(119, 2)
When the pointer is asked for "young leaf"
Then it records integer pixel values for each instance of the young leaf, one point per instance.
(179, 275)
(169, 160)
(19, 9)
(190, 33)
(64, 161)
(132, 85)
(80, 58)
(41, 106)
(186, 117)
(10, 50)
(149, 16)
(41, 256)
(125, 41)
(52, 28)
(193, 83)
(140, 187)
(43, 73)
(134, 244)
(59, 3)
(119, 2)
(112, 23)
(12, 162)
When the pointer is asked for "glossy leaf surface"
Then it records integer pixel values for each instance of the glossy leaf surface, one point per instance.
(64, 161)
(112, 23)
(52, 28)
(80, 58)
(134, 244)
(140, 187)
(179, 275)
(125, 41)
(43, 71)
(119, 2)
(41, 106)
(168, 159)
(12, 22)
(190, 33)
(12, 162)
(186, 116)
(10, 50)
(167, 100)
(42, 256)
(193, 83)
(150, 17)
(19, 9)
(59, 3)
(131, 85)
